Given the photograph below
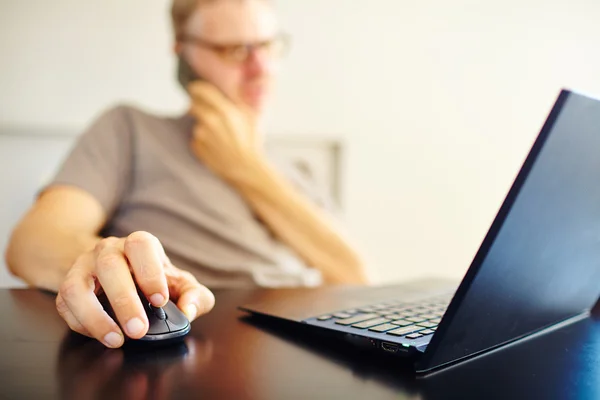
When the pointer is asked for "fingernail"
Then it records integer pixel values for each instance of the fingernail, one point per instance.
(157, 299)
(190, 311)
(135, 326)
(113, 339)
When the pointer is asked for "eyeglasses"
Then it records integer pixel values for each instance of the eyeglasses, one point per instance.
(239, 53)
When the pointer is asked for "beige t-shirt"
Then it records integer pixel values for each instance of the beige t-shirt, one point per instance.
(141, 169)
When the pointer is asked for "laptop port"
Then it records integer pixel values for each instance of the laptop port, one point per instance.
(390, 347)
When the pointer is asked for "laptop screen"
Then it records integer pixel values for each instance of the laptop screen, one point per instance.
(540, 262)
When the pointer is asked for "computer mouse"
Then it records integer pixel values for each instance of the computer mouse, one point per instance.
(166, 324)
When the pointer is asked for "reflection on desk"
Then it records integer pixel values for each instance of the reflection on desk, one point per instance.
(87, 370)
(230, 356)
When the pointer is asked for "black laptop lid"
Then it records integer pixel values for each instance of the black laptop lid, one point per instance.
(540, 262)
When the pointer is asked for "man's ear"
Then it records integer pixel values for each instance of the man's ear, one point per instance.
(177, 47)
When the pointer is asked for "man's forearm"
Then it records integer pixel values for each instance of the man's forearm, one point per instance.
(300, 224)
(228, 142)
(41, 255)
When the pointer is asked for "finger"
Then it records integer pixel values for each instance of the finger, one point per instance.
(229, 115)
(214, 98)
(209, 93)
(209, 150)
(112, 270)
(77, 291)
(203, 106)
(211, 107)
(144, 253)
(67, 315)
(193, 298)
(221, 131)
(207, 99)
(213, 123)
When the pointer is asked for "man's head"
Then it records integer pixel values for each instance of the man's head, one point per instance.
(234, 44)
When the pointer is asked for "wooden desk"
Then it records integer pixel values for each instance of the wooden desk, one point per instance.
(228, 357)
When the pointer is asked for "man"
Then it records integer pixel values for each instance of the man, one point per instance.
(142, 196)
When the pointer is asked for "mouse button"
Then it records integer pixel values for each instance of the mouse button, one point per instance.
(158, 328)
(159, 313)
(176, 327)
(175, 316)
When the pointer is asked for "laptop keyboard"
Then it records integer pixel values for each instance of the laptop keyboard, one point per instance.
(397, 318)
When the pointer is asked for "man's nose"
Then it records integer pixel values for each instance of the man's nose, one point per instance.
(257, 64)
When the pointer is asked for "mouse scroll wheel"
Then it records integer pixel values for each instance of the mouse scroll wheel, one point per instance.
(159, 312)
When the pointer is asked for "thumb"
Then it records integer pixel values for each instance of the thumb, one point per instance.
(193, 298)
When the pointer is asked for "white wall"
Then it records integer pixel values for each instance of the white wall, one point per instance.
(28, 162)
(438, 101)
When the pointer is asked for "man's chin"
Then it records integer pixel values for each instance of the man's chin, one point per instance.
(255, 98)
(256, 105)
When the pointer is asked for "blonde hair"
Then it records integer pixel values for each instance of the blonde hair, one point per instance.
(181, 11)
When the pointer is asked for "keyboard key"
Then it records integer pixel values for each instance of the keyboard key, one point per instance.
(436, 321)
(383, 328)
(366, 309)
(408, 314)
(356, 318)
(404, 331)
(429, 316)
(393, 316)
(351, 311)
(342, 315)
(427, 324)
(415, 319)
(397, 310)
(324, 317)
(414, 336)
(370, 323)
(427, 332)
(402, 322)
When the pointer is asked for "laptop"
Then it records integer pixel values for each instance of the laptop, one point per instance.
(537, 269)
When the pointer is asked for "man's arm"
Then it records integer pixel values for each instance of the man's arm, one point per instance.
(60, 226)
(300, 224)
(227, 142)
(291, 217)
(56, 247)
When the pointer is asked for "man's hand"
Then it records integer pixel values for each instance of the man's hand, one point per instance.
(226, 139)
(113, 265)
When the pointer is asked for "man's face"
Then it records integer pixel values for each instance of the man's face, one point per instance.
(219, 31)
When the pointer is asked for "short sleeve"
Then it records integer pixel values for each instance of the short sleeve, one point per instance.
(101, 160)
